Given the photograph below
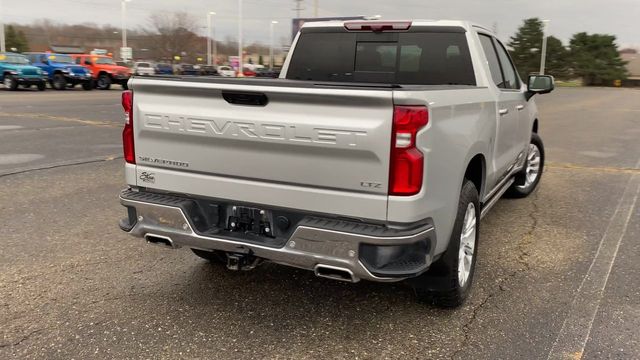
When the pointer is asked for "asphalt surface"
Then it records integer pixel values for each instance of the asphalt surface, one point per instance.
(558, 275)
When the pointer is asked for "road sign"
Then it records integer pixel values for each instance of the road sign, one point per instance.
(126, 53)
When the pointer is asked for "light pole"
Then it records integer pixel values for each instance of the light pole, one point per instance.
(2, 43)
(271, 44)
(240, 63)
(209, 15)
(543, 56)
(124, 28)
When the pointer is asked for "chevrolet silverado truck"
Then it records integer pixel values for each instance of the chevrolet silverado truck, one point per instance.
(373, 157)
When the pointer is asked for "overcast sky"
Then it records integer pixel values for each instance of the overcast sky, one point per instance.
(617, 17)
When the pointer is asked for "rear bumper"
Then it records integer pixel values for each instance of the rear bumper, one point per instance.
(365, 251)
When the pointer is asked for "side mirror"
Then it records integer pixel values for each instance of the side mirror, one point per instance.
(540, 84)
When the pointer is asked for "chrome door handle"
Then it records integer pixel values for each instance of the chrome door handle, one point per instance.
(503, 111)
(520, 107)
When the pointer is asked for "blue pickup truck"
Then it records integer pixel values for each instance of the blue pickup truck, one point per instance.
(15, 70)
(62, 70)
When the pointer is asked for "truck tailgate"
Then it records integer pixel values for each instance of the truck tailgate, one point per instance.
(314, 148)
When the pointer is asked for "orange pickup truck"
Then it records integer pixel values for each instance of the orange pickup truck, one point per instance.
(104, 70)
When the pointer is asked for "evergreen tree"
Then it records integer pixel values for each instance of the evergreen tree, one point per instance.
(525, 47)
(15, 40)
(260, 60)
(595, 58)
(558, 62)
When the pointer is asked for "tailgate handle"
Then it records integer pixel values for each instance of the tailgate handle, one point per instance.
(244, 98)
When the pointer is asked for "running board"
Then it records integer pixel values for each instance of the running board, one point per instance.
(494, 199)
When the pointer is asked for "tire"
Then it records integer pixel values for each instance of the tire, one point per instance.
(87, 86)
(446, 284)
(59, 82)
(42, 86)
(215, 256)
(104, 82)
(125, 86)
(528, 179)
(10, 82)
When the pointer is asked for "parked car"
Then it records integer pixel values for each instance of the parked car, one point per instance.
(185, 69)
(248, 72)
(266, 73)
(62, 71)
(104, 70)
(143, 68)
(226, 71)
(163, 69)
(385, 181)
(208, 70)
(16, 70)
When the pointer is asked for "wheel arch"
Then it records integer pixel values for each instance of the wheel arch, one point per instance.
(534, 129)
(476, 171)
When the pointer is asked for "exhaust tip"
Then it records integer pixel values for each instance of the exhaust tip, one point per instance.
(159, 240)
(334, 273)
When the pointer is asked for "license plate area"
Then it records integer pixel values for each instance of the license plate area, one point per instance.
(249, 220)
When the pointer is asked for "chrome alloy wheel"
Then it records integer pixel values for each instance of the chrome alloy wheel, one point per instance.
(467, 244)
(533, 166)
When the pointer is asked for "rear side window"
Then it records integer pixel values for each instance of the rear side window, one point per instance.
(413, 58)
(492, 59)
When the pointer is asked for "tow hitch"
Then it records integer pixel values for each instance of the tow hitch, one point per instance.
(245, 262)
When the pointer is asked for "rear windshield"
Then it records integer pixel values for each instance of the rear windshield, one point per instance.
(412, 58)
(143, 65)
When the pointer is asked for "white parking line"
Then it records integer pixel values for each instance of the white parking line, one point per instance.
(576, 328)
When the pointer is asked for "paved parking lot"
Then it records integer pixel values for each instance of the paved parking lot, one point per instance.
(557, 277)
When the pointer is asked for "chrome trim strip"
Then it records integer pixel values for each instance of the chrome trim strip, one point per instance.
(486, 207)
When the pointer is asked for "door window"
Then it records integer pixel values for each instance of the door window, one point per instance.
(510, 76)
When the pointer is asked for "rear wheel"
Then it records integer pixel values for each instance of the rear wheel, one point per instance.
(214, 256)
(527, 180)
(448, 281)
(59, 82)
(125, 86)
(42, 86)
(104, 82)
(87, 85)
(10, 83)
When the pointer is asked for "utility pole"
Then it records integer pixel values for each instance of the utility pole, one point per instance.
(298, 7)
(124, 28)
(2, 43)
(209, 15)
(240, 62)
(271, 44)
(543, 56)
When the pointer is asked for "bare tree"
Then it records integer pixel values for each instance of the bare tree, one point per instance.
(172, 34)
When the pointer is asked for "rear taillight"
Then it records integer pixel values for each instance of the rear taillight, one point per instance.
(127, 131)
(407, 162)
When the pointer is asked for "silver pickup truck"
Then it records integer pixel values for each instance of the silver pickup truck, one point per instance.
(373, 157)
